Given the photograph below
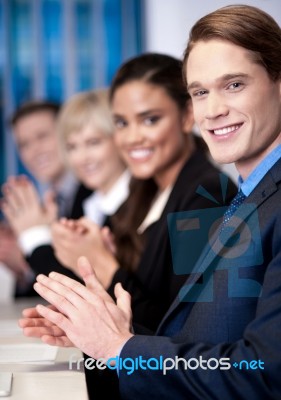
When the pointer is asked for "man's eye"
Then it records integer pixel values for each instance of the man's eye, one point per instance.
(235, 85)
(199, 93)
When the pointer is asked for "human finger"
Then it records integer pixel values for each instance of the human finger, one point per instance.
(11, 198)
(57, 318)
(61, 297)
(52, 335)
(68, 223)
(26, 192)
(89, 225)
(50, 206)
(88, 275)
(60, 321)
(31, 312)
(93, 287)
(123, 299)
(98, 298)
(9, 211)
(19, 186)
(108, 239)
(62, 341)
(66, 294)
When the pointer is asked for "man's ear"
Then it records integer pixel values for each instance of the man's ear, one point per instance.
(188, 118)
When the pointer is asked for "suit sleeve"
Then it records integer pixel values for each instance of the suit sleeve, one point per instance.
(260, 342)
(43, 261)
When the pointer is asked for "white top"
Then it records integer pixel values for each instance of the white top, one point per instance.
(34, 237)
(98, 206)
(156, 209)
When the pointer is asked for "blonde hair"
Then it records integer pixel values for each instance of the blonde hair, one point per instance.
(84, 109)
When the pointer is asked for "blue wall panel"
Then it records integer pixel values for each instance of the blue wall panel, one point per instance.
(53, 48)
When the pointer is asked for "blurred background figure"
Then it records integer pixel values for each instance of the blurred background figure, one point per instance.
(85, 128)
(34, 132)
(85, 131)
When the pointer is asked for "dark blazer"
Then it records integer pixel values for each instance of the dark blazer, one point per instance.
(154, 284)
(43, 260)
(238, 321)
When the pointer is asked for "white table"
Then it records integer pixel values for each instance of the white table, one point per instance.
(45, 382)
(7, 284)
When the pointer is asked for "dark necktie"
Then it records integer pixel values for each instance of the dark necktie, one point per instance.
(60, 200)
(234, 205)
(175, 325)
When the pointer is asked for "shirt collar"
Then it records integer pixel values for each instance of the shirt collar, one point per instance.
(99, 205)
(156, 209)
(112, 200)
(259, 172)
(67, 185)
(65, 191)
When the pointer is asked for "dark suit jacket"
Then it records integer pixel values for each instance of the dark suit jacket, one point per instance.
(227, 324)
(43, 260)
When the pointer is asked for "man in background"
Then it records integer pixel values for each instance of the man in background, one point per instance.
(34, 130)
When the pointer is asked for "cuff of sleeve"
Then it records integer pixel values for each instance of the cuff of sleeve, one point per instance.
(34, 237)
(119, 352)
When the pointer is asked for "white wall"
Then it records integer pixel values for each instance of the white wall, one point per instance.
(168, 23)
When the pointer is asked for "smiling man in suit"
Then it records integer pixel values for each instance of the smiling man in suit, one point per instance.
(232, 67)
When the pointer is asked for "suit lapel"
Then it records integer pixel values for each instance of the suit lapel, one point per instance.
(205, 263)
(189, 175)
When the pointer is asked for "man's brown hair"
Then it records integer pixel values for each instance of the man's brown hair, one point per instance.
(32, 107)
(245, 26)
